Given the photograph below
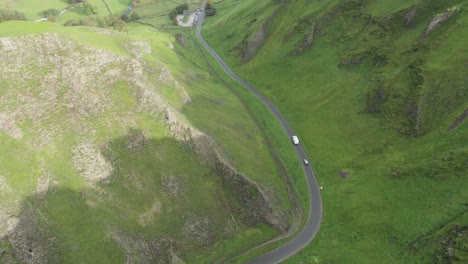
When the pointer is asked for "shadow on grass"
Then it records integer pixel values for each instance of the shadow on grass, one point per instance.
(163, 200)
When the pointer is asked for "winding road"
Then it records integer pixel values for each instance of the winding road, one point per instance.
(310, 229)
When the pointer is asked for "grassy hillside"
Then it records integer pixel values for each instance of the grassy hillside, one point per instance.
(113, 152)
(371, 90)
(33, 9)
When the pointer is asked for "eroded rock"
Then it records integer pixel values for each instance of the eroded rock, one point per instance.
(440, 19)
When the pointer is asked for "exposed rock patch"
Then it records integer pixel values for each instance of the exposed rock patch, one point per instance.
(90, 163)
(138, 48)
(172, 185)
(384, 22)
(8, 125)
(175, 259)
(440, 19)
(144, 250)
(3, 184)
(182, 40)
(409, 16)
(197, 229)
(44, 76)
(9, 208)
(458, 121)
(257, 206)
(344, 174)
(136, 139)
(307, 41)
(256, 41)
(8, 222)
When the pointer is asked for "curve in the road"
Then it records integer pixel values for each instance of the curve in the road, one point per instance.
(310, 229)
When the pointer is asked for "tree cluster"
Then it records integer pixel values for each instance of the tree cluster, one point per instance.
(50, 12)
(132, 17)
(89, 8)
(114, 21)
(6, 15)
(178, 11)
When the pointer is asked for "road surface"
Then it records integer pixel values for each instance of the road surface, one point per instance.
(305, 236)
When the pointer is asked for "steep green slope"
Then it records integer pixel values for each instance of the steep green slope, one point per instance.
(100, 163)
(373, 89)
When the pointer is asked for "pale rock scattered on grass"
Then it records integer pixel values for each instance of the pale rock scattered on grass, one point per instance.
(137, 48)
(8, 125)
(143, 249)
(9, 208)
(90, 163)
(197, 228)
(172, 185)
(49, 76)
(8, 222)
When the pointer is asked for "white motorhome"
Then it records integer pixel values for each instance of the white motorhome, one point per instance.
(295, 140)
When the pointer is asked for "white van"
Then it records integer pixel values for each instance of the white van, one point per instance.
(295, 140)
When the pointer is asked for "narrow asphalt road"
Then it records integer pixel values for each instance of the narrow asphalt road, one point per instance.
(305, 236)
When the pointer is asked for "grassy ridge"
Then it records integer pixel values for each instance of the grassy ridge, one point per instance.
(399, 187)
(106, 221)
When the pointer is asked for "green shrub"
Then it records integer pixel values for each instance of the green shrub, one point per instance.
(134, 16)
(50, 12)
(6, 15)
(89, 9)
(72, 23)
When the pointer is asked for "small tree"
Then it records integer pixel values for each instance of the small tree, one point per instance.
(112, 19)
(72, 23)
(50, 12)
(120, 25)
(125, 18)
(180, 8)
(89, 21)
(134, 16)
(101, 22)
(89, 8)
(6, 15)
(173, 14)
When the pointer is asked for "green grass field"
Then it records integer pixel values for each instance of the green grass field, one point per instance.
(150, 12)
(400, 188)
(156, 12)
(32, 9)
